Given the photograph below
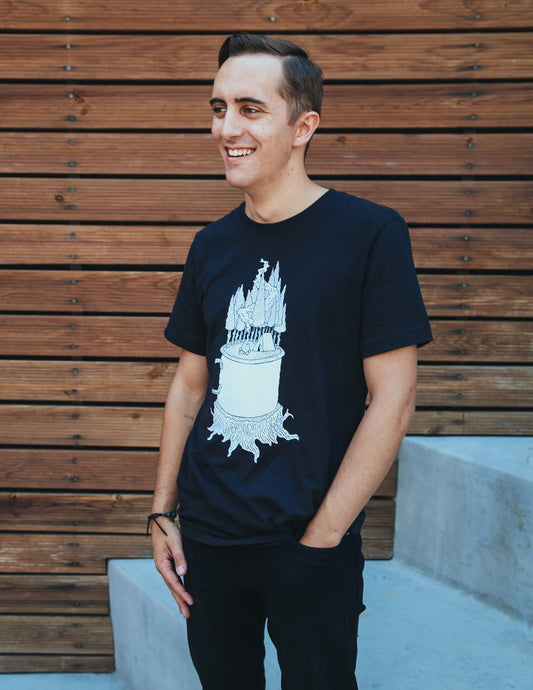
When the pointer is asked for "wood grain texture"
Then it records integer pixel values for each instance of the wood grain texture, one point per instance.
(63, 554)
(480, 341)
(474, 248)
(148, 382)
(24, 634)
(472, 423)
(85, 336)
(346, 106)
(494, 249)
(264, 15)
(54, 594)
(116, 336)
(104, 470)
(95, 244)
(56, 663)
(501, 296)
(139, 427)
(146, 292)
(78, 470)
(474, 386)
(75, 426)
(330, 154)
(434, 56)
(201, 201)
(120, 513)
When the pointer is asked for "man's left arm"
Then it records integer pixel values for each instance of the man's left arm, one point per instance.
(391, 381)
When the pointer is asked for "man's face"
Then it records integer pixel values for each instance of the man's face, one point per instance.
(251, 123)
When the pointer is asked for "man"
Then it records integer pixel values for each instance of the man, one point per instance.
(291, 308)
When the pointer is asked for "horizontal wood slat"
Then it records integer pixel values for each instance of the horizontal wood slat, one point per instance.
(58, 553)
(75, 426)
(473, 249)
(83, 470)
(200, 201)
(157, 106)
(472, 423)
(102, 513)
(65, 554)
(265, 15)
(24, 634)
(478, 295)
(154, 291)
(330, 154)
(93, 291)
(179, 57)
(138, 427)
(52, 663)
(67, 594)
(86, 470)
(145, 382)
(95, 244)
(135, 382)
(480, 341)
(474, 386)
(122, 513)
(112, 336)
(433, 248)
(86, 336)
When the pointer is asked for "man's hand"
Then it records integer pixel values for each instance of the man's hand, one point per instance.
(171, 564)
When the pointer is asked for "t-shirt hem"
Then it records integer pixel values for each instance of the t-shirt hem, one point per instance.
(196, 535)
(378, 346)
(270, 538)
(184, 341)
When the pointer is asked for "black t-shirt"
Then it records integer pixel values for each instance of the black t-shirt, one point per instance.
(285, 313)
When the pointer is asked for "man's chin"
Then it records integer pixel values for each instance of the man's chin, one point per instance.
(236, 183)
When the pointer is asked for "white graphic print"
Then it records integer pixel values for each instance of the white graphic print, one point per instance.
(247, 409)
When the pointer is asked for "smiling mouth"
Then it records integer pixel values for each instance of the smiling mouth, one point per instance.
(239, 153)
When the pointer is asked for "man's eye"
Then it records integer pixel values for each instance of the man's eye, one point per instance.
(250, 110)
(219, 110)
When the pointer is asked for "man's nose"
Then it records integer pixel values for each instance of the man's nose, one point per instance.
(231, 124)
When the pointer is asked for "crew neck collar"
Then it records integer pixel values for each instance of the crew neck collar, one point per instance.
(279, 225)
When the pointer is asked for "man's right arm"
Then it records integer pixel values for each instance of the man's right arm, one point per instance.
(186, 394)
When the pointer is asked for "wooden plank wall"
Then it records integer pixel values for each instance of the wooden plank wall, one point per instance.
(106, 173)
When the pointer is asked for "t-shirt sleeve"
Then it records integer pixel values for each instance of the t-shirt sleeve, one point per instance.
(186, 326)
(392, 311)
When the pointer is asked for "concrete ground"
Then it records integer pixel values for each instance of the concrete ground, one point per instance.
(416, 634)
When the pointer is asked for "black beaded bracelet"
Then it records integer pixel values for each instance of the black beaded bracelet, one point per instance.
(172, 514)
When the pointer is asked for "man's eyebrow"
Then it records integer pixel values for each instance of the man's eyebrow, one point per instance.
(250, 99)
(243, 99)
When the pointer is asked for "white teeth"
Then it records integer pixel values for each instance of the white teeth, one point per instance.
(239, 152)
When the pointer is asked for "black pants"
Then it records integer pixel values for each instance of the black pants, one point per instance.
(310, 597)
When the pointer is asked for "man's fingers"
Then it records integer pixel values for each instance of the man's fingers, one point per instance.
(170, 573)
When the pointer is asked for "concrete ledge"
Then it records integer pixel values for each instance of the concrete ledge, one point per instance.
(465, 515)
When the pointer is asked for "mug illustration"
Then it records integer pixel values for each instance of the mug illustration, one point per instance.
(247, 409)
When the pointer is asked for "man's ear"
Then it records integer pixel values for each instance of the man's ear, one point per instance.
(307, 124)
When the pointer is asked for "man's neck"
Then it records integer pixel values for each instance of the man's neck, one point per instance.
(273, 207)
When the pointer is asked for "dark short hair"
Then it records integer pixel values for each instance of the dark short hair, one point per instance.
(301, 85)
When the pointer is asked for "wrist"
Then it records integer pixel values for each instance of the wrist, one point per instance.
(321, 537)
(158, 517)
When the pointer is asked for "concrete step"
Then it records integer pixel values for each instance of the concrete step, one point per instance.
(465, 515)
(417, 633)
